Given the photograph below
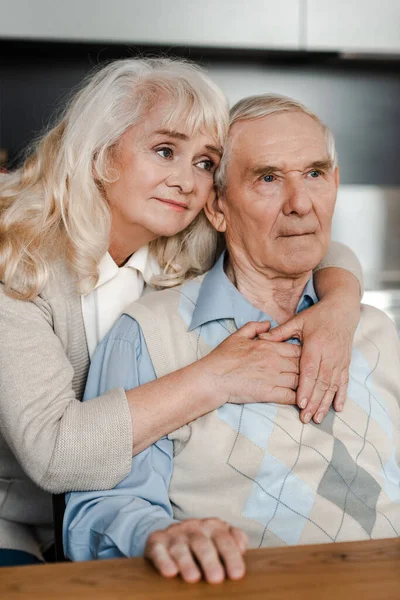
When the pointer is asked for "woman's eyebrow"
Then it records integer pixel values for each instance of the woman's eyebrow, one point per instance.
(182, 136)
(214, 150)
(174, 134)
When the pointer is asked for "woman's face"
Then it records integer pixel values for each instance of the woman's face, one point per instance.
(165, 179)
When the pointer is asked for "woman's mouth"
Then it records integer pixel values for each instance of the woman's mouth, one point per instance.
(179, 206)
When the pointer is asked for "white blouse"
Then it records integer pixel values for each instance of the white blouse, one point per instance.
(116, 288)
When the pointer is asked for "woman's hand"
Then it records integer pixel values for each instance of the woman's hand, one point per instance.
(326, 332)
(196, 548)
(245, 368)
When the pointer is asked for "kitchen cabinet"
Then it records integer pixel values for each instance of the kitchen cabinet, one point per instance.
(354, 26)
(250, 24)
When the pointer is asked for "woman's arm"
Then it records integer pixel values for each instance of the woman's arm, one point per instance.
(327, 331)
(63, 444)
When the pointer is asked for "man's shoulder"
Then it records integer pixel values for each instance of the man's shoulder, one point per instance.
(377, 326)
(376, 316)
(166, 299)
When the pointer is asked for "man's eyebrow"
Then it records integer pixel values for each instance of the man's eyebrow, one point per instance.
(264, 170)
(325, 164)
(182, 136)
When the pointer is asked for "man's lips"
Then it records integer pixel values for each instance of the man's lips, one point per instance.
(173, 203)
(289, 235)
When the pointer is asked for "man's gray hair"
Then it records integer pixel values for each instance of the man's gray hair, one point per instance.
(257, 107)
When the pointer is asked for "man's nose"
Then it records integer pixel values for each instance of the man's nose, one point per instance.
(297, 198)
(182, 177)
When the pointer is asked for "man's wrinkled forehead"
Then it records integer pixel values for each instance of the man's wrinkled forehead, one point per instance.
(284, 139)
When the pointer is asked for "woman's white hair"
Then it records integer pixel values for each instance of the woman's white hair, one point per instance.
(257, 107)
(53, 206)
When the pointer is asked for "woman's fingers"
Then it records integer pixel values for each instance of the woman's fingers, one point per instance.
(325, 387)
(340, 397)
(283, 348)
(253, 329)
(282, 395)
(309, 369)
(291, 329)
(288, 380)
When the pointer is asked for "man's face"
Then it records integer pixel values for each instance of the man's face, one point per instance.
(280, 194)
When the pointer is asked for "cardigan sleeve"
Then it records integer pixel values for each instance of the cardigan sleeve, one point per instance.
(61, 443)
(343, 257)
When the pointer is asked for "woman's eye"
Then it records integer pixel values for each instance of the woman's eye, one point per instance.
(165, 152)
(268, 178)
(314, 174)
(207, 165)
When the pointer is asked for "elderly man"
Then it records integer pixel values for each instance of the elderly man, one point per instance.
(252, 471)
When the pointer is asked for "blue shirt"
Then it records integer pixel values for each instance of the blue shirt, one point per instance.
(112, 523)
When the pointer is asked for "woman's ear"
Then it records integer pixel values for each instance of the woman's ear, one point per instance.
(214, 210)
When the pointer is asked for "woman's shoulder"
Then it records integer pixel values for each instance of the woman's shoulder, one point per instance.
(59, 295)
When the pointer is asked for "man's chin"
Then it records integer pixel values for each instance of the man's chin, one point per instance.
(299, 262)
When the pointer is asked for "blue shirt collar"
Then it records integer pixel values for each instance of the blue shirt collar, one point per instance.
(220, 299)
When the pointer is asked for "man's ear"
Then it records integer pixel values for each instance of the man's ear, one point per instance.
(336, 175)
(214, 210)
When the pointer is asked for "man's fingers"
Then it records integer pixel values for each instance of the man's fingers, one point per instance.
(288, 380)
(158, 554)
(230, 555)
(241, 538)
(183, 557)
(206, 554)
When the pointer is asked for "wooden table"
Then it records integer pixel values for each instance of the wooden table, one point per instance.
(358, 570)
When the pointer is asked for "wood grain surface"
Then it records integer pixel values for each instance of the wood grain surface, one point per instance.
(357, 570)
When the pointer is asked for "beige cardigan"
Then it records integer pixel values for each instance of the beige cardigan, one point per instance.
(49, 441)
(60, 443)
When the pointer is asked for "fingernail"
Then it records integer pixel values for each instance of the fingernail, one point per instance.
(216, 576)
(340, 407)
(318, 418)
(303, 403)
(307, 417)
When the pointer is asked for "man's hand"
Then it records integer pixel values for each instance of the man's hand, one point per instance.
(196, 548)
(326, 332)
(245, 368)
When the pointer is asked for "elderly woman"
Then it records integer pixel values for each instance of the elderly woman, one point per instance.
(254, 471)
(109, 201)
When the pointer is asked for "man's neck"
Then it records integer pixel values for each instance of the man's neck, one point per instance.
(274, 293)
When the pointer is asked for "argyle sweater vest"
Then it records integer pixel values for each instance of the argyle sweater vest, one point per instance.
(258, 467)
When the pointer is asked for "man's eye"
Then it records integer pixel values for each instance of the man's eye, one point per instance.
(314, 174)
(268, 178)
(165, 152)
(207, 165)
